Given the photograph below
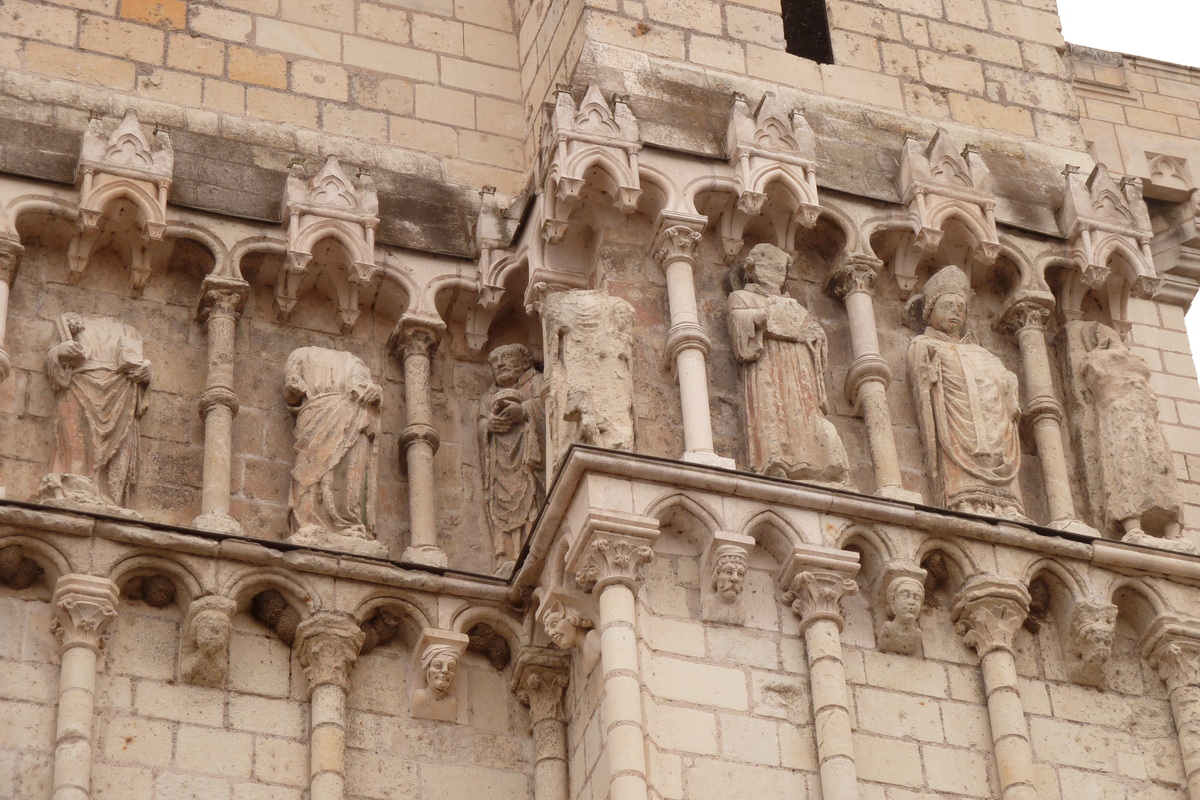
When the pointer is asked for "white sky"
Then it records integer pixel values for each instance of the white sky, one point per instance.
(1162, 29)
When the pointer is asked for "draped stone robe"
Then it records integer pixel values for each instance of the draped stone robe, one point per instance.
(99, 405)
(333, 480)
(783, 352)
(514, 463)
(967, 404)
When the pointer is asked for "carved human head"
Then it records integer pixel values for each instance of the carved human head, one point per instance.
(905, 597)
(767, 266)
(1099, 336)
(729, 572)
(509, 362)
(564, 625)
(439, 663)
(210, 630)
(947, 296)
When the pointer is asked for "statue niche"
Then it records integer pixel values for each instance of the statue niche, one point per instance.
(967, 407)
(100, 379)
(512, 448)
(783, 353)
(332, 498)
(1131, 469)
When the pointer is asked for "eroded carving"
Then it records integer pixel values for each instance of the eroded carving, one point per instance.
(329, 644)
(100, 379)
(783, 352)
(725, 572)
(336, 403)
(512, 447)
(1133, 484)
(84, 608)
(588, 339)
(988, 612)
(273, 610)
(207, 630)
(968, 407)
(1089, 641)
(902, 598)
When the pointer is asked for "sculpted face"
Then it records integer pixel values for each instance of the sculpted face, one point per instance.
(440, 674)
(906, 600)
(949, 314)
(508, 366)
(729, 577)
(561, 630)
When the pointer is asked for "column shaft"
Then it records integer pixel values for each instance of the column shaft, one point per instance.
(328, 643)
(10, 258)
(835, 741)
(327, 759)
(1010, 733)
(550, 776)
(622, 694)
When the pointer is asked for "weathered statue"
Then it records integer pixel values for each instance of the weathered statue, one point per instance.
(100, 378)
(783, 352)
(902, 633)
(728, 579)
(588, 338)
(337, 417)
(512, 447)
(1136, 466)
(207, 631)
(967, 407)
(435, 700)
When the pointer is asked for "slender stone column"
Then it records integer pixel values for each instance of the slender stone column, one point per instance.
(608, 558)
(1027, 321)
(84, 606)
(869, 375)
(1172, 646)
(815, 582)
(220, 306)
(10, 258)
(688, 343)
(329, 643)
(988, 612)
(539, 680)
(415, 340)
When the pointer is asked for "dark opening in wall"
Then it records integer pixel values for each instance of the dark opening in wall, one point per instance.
(806, 30)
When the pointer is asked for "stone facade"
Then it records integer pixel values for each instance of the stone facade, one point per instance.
(839, 438)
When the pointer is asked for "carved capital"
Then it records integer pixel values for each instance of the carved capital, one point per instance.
(540, 681)
(84, 606)
(988, 611)
(1025, 315)
(222, 298)
(329, 643)
(612, 548)
(416, 336)
(10, 258)
(818, 595)
(5, 365)
(677, 238)
(858, 274)
(1172, 646)
(218, 396)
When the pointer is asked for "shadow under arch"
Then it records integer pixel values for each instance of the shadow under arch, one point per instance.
(188, 586)
(774, 534)
(51, 561)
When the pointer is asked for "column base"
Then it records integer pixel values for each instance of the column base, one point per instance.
(708, 458)
(221, 523)
(899, 493)
(1071, 525)
(430, 555)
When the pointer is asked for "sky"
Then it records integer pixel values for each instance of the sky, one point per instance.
(1161, 29)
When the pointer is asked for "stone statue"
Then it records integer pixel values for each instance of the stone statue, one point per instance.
(100, 379)
(1136, 466)
(588, 339)
(332, 497)
(512, 446)
(967, 407)
(902, 633)
(207, 631)
(727, 580)
(783, 353)
(1089, 641)
(569, 628)
(435, 700)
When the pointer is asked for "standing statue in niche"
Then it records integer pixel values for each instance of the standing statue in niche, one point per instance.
(100, 380)
(332, 497)
(967, 407)
(512, 447)
(1136, 465)
(783, 353)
